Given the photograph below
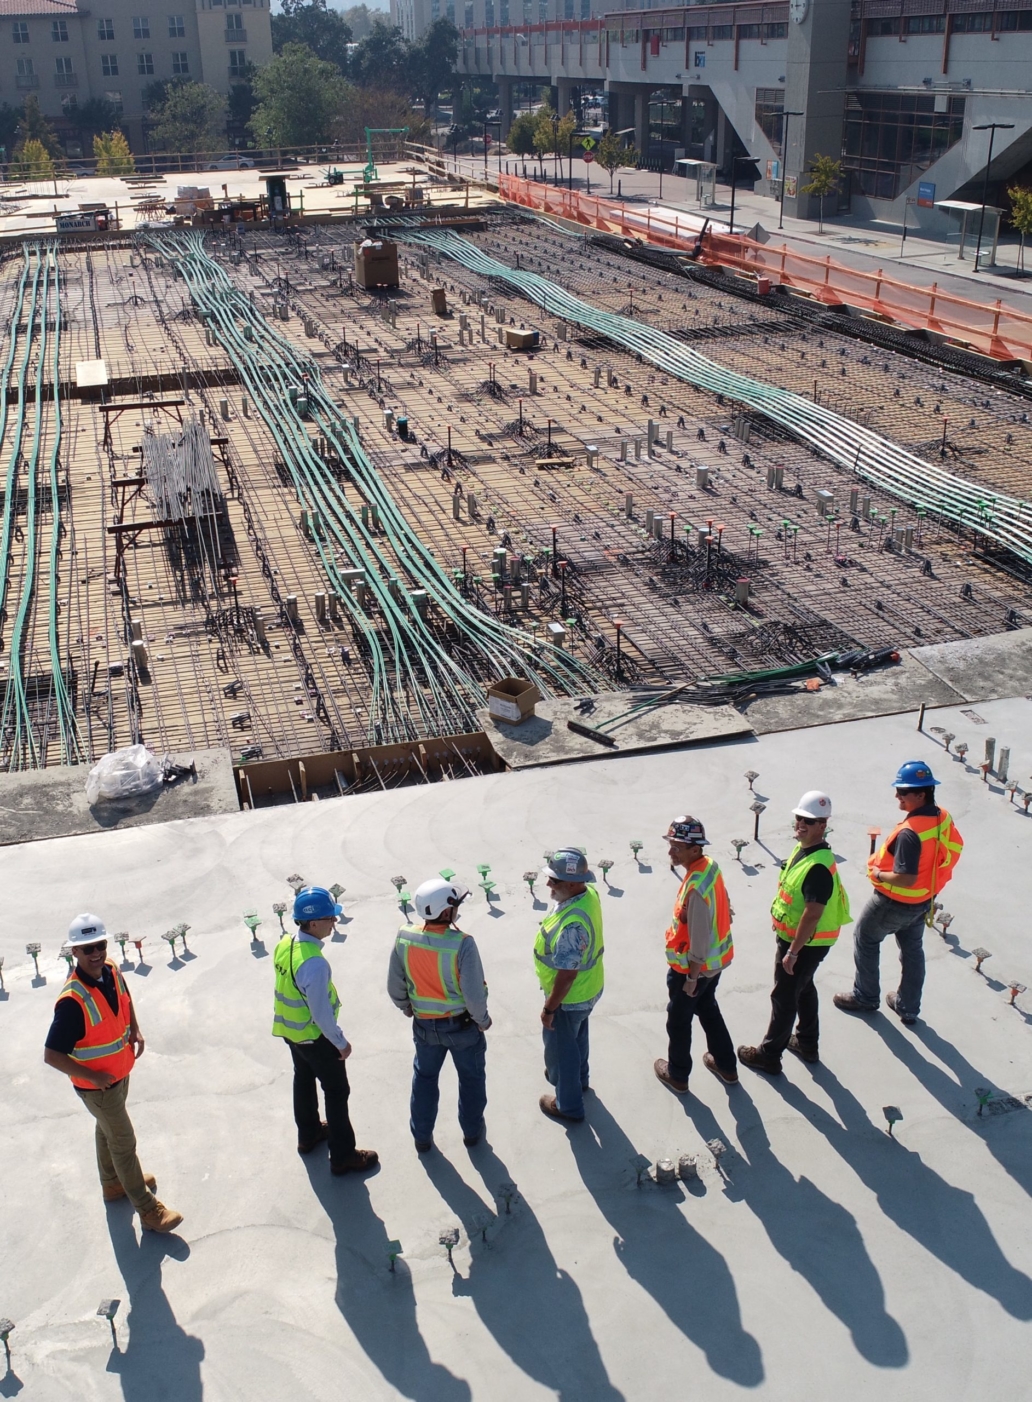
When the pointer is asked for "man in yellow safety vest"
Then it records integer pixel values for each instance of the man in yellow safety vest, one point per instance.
(568, 964)
(698, 949)
(808, 911)
(908, 871)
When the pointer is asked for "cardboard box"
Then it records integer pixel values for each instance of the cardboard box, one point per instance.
(512, 700)
(376, 263)
(521, 340)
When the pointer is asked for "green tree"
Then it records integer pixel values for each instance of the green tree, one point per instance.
(326, 32)
(112, 154)
(94, 115)
(431, 64)
(241, 104)
(32, 161)
(612, 155)
(825, 174)
(1020, 197)
(377, 107)
(544, 132)
(35, 127)
(359, 19)
(192, 117)
(9, 119)
(300, 97)
(381, 60)
(520, 140)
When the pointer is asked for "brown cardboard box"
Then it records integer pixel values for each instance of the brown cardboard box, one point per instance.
(521, 340)
(376, 264)
(512, 700)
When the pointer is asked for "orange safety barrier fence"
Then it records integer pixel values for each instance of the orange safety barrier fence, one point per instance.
(987, 328)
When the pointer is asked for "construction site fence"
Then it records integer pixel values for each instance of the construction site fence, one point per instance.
(987, 328)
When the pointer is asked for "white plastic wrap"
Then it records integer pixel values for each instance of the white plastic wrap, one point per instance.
(123, 774)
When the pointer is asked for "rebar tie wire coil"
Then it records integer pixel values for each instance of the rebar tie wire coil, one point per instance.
(869, 456)
(418, 688)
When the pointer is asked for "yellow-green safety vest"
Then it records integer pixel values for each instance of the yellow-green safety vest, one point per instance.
(585, 909)
(291, 1017)
(787, 910)
(431, 962)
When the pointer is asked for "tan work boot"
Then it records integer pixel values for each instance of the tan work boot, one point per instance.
(161, 1218)
(114, 1192)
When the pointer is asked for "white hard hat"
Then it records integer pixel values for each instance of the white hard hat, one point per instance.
(86, 929)
(434, 897)
(813, 804)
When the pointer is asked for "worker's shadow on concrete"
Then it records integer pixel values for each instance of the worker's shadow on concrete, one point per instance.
(944, 1219)
(379, 1305)
(817, 1237)
(515, 1284)
(161, 1359)
(1011, 1151)
(658, 1247)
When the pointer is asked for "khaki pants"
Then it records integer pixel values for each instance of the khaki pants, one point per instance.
(116, 1143)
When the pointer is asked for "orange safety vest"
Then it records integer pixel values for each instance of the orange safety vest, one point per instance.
(106, 1045)
(941, 846)
(431, 961)
(702, 876)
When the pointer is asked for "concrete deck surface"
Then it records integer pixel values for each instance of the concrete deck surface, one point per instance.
(829, 1261)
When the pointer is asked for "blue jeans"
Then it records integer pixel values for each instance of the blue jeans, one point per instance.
(566, 1059)
(468, 1048)
(880, 917)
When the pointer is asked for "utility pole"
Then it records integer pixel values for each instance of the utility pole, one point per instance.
(784, 162)
(992, 128)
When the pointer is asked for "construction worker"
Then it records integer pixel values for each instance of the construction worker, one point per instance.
(305, 1008)
(96, 1041)
(809, 909)
(568, 963)
(907, 872)
(436, 978)
(698, 950)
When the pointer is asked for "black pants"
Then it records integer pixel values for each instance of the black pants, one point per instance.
(320, 1061)
(681, 1012)
(794, 996)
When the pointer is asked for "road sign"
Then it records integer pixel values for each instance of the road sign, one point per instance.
(588, 142)
(588, 158)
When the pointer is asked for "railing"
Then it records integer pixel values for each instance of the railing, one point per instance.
(236, 36)
(988, 328)
(66, 80)
(27, 80)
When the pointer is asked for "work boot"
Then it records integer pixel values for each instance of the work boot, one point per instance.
(359, 1162)
(551, 1109)
(305, 1146)
(752, 1056)
(803, 1053)
(423, 1146)
(907, 1019)
(849, 1004)
(730, 1078)
(114, 1192)
(662, 1070)
(161, 1218)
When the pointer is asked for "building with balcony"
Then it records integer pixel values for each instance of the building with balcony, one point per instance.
(901, 90)
(66, 54)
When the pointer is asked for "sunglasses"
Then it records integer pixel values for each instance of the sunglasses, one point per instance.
(97, 948)
(808, 821)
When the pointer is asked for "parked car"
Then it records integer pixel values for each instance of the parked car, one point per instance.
(80, 170)
(234, 163)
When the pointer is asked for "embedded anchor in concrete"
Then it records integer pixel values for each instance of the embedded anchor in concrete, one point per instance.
(34, 950)
(252, 922)
(893, 1114)
(757, 808)
(393, 1252)
(980, 956)
(449, 1239)
(279, 909)
(1015, 989)
(641, 1166)
(687, 1168)
(666, 1174)
(738, 843)
(107, 1309)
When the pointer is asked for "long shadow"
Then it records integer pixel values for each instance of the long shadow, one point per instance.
(532, 1308)
(957, 1097)
(818, 1238)
(161, 1361)
(684, 1274)
(945, 1220)
(379, 1305)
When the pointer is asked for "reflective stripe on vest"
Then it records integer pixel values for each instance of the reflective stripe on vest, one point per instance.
(107, 1042)
(291, 1017)
(787, 910)
(431, 962)
(707, 880)
(586, 910)
(941, 846)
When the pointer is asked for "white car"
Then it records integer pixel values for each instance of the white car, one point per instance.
(234, 163)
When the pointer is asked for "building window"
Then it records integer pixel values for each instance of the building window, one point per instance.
(115, 98)
(468, 16)
(177, 26)
(770, 104)
(180, 64)
(25, 69)
(69, 106)
(21, 31)
(63, 67)
(145, 65)
(926, 24)
(1010, 19)
(141, 27)
(59, 31)
(697, 31)
(106, 30)
(721, 31)
(237, 62)
(109, 65)
(980, 24)
(891, 138)
(879, 28)
(234, 22)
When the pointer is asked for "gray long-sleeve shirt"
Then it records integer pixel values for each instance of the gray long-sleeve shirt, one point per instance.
(471, 982)
(313, 980)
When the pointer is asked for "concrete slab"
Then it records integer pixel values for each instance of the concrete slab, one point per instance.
(544, 739)
(825, 1260)
(44, 803)
(983, 669)
(885, 692)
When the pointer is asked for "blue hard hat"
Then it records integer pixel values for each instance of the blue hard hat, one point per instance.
(314, 903)
(915, 774)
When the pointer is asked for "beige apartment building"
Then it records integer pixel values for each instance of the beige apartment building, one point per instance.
(65, 54)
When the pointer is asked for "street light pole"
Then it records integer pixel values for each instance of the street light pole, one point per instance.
(992, 128)
(784, 162)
